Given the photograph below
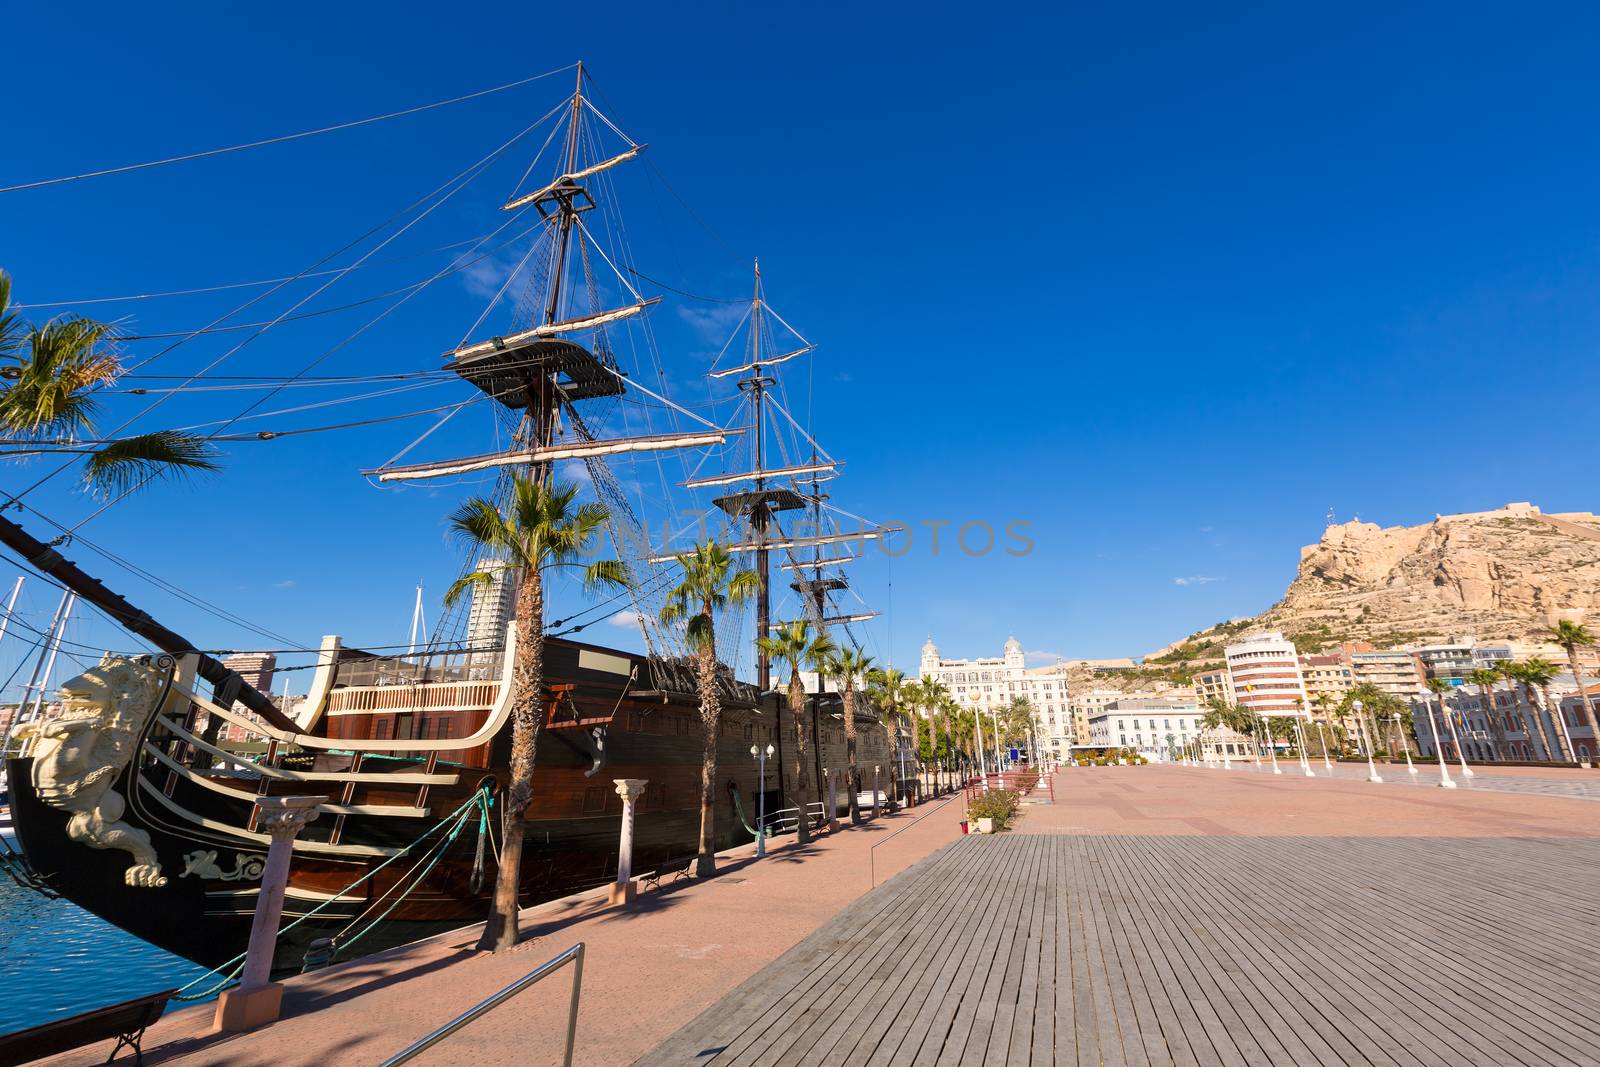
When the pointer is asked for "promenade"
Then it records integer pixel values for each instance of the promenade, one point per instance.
(1162, 915)
(648, 969)
(1153, 915)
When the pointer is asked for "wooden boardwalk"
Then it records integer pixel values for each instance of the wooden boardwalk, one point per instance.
(1147, 950)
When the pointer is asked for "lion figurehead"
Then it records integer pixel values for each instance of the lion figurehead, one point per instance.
(78, 755)
(119, 692)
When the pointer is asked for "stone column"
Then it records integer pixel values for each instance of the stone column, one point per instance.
(257, 999)
(623, 890)
(874, 791)
(833, 800)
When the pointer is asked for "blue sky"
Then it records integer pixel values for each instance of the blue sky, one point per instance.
(1165, 284)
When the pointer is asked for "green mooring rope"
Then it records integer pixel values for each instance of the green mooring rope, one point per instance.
(480, 799)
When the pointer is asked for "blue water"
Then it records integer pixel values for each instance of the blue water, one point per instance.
(56, 960)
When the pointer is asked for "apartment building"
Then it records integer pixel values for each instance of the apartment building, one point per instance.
(1264, 674)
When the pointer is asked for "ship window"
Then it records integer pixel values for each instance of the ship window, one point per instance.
(594, 800)
(635, 722)
(443, 729)
(381, 731)
(749, 731)
(655, 796)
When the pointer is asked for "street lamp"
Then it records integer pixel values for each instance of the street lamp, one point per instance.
(761, 755)
(1323, 737)
(1461, 753)
(1445, 781)
(1366, 742)
(1272, 746)
(1412, 767)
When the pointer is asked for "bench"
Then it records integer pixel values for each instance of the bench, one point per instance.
(675, 868)
(126, 1022)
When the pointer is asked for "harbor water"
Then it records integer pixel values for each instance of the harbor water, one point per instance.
(58, 960)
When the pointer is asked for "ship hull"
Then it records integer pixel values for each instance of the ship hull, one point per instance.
(204, 839)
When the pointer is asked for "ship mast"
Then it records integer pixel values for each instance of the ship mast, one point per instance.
(759, 514)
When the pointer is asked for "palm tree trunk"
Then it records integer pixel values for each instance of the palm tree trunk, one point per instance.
(802, 775)
(1554, 710)
(710, 722)
(527, 723)
(1533, 719)
(854, 779)
(1588, 704)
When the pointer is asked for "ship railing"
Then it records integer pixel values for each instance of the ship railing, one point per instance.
(423, 696)
(573, 955)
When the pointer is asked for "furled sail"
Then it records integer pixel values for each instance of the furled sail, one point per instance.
(572, 450)
(784, 358)
(749, 476)
(779, 543)
(568, 179)
(553, 329)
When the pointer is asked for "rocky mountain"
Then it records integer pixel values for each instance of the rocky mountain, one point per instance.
(1507, 574)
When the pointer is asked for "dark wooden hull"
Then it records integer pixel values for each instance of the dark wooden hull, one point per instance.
(571, 828)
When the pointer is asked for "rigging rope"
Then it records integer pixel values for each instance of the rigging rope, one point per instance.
(284, 137)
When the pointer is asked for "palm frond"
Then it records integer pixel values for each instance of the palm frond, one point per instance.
(51, 386)
(606, 573)
(465, 584)
(479, 523)
(125, 465)
(701, 632)
(12, 328)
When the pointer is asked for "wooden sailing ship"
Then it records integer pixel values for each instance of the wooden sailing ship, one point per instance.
(403, 745)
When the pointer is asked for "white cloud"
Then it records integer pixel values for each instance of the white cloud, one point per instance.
(287, 583)
(1043, 657)
(1195, 579)
(714, 325)
(627, 618)
(484, 278)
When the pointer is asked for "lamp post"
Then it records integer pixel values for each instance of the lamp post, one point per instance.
(1445, 781)
(1300, 733)
(1461, 752)
(1272, 747)
(1412, 767)
(983, 771)
(1327, 765)
(1361, 726)
(761, 755)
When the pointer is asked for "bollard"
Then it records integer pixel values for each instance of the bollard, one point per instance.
(623, 889)
(874, 792)
(258, 999)
(833, 800)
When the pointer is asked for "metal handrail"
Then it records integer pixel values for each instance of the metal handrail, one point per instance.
(573, 955)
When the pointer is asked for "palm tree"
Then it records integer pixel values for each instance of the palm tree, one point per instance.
(794, 643)
(50, 374)
(1570, 636)
(848, 665)
(1539, 673)
(538, 531)
(886, 689)
(1378, 704)
(1517, 674)
(949, 710)
(933, 694)
(1485, 678)
(710, 583)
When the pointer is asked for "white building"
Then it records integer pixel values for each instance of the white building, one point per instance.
(1154, 726)
(493, 605)
(1264, 672)
(992, 683)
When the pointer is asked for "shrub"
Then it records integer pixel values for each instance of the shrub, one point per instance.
(997, 804)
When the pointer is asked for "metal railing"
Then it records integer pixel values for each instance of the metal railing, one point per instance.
(573, 955)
